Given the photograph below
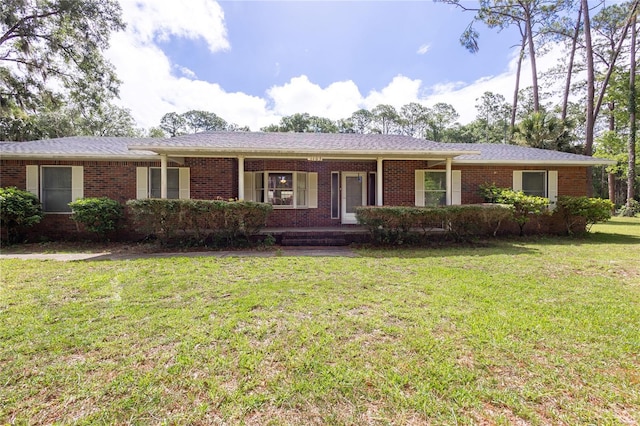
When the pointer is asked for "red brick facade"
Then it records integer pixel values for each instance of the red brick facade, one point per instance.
(212, 178)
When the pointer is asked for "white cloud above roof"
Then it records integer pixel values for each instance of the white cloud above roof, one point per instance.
(154, 84)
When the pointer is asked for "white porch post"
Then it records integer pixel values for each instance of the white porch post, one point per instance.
(379, 181)
(240, 178)
(163, 176)
(448, 178)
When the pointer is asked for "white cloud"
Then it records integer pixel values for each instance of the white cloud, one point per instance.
(423, 49)
(153, 85)
(148, 20)
(337, 100)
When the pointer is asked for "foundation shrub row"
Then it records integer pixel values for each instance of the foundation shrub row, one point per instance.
(400, 225)
(210, 222)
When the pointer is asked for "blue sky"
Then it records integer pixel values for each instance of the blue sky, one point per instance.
(254, 62)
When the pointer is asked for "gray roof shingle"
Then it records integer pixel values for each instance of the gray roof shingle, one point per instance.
(235, 143)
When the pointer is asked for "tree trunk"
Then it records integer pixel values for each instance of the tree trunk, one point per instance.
(514, 107)
(532, 58)
(588, 143)
(567, 86)
(631, 175)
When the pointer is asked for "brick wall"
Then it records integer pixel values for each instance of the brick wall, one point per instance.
(213, 178)
(320, 216)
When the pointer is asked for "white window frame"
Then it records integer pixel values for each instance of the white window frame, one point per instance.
(143, 182)
(35, 183)
(159, 169)
(439, 191)
(455, 184)
(550, 183)
(311, 190)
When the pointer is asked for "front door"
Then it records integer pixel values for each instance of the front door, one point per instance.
(354, 194)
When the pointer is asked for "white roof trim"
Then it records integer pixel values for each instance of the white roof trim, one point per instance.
(595, 162)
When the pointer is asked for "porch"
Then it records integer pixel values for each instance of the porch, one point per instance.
(318, 236)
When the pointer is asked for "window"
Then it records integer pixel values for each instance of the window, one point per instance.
(540, 183)
(335, 195)
(282, 189)
(173, 183)
(435, 188)
(534, 183)
(56, 189)
(148, 182)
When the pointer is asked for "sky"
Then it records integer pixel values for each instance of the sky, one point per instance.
(253, 62)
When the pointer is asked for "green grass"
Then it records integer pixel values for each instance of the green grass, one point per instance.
(530, 331)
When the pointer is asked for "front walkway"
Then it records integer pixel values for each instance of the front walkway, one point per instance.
(275, 252)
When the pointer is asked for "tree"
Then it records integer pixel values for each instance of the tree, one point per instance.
(174, 124)
(413, 119)
(493, 111)
(203, 121)
(441, 117)
(56, 43)
(545, 131)
(631, 178)
(387, 119)
(362, 120)
(527, 15)
(607, 58)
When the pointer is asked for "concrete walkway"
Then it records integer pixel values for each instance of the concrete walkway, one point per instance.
(277, 252)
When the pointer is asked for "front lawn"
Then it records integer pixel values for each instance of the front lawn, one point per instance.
(524, 331)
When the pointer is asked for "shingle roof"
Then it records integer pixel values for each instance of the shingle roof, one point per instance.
(76, 146)
(302, 143)
(239, 143)
(514, 153)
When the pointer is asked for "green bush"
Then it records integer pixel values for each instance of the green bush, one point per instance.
(99, 215)
(575, 210)
(226, 222)
(18, 210)
(491, 192)
(398, 225)
(524, 206)
(632, 210)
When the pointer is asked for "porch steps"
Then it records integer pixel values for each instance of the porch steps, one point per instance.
(316, 239)
(329, 236)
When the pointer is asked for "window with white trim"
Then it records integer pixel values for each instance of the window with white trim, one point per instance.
(55, 186)
(173, 183)
(56, 189)
(534, 183)
(149, 182)
(284, 189)
(435, 188)
(540, 183)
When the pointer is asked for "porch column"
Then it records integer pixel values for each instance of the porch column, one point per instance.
(379, 181)
(240, 178)
(163, 176)
(448, 178)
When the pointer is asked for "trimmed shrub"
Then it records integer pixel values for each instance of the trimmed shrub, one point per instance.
(630, 211)
(577, 210)
(225, 222)
(524, 206)
(100, 215)
(18, 210)
(397, 225)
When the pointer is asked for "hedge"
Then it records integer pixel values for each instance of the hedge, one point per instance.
(397, 225)
(100, 215)
(575, 210)
(228, 222)
(18, 210)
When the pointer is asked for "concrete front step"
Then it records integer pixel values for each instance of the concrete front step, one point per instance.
(313, 241)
